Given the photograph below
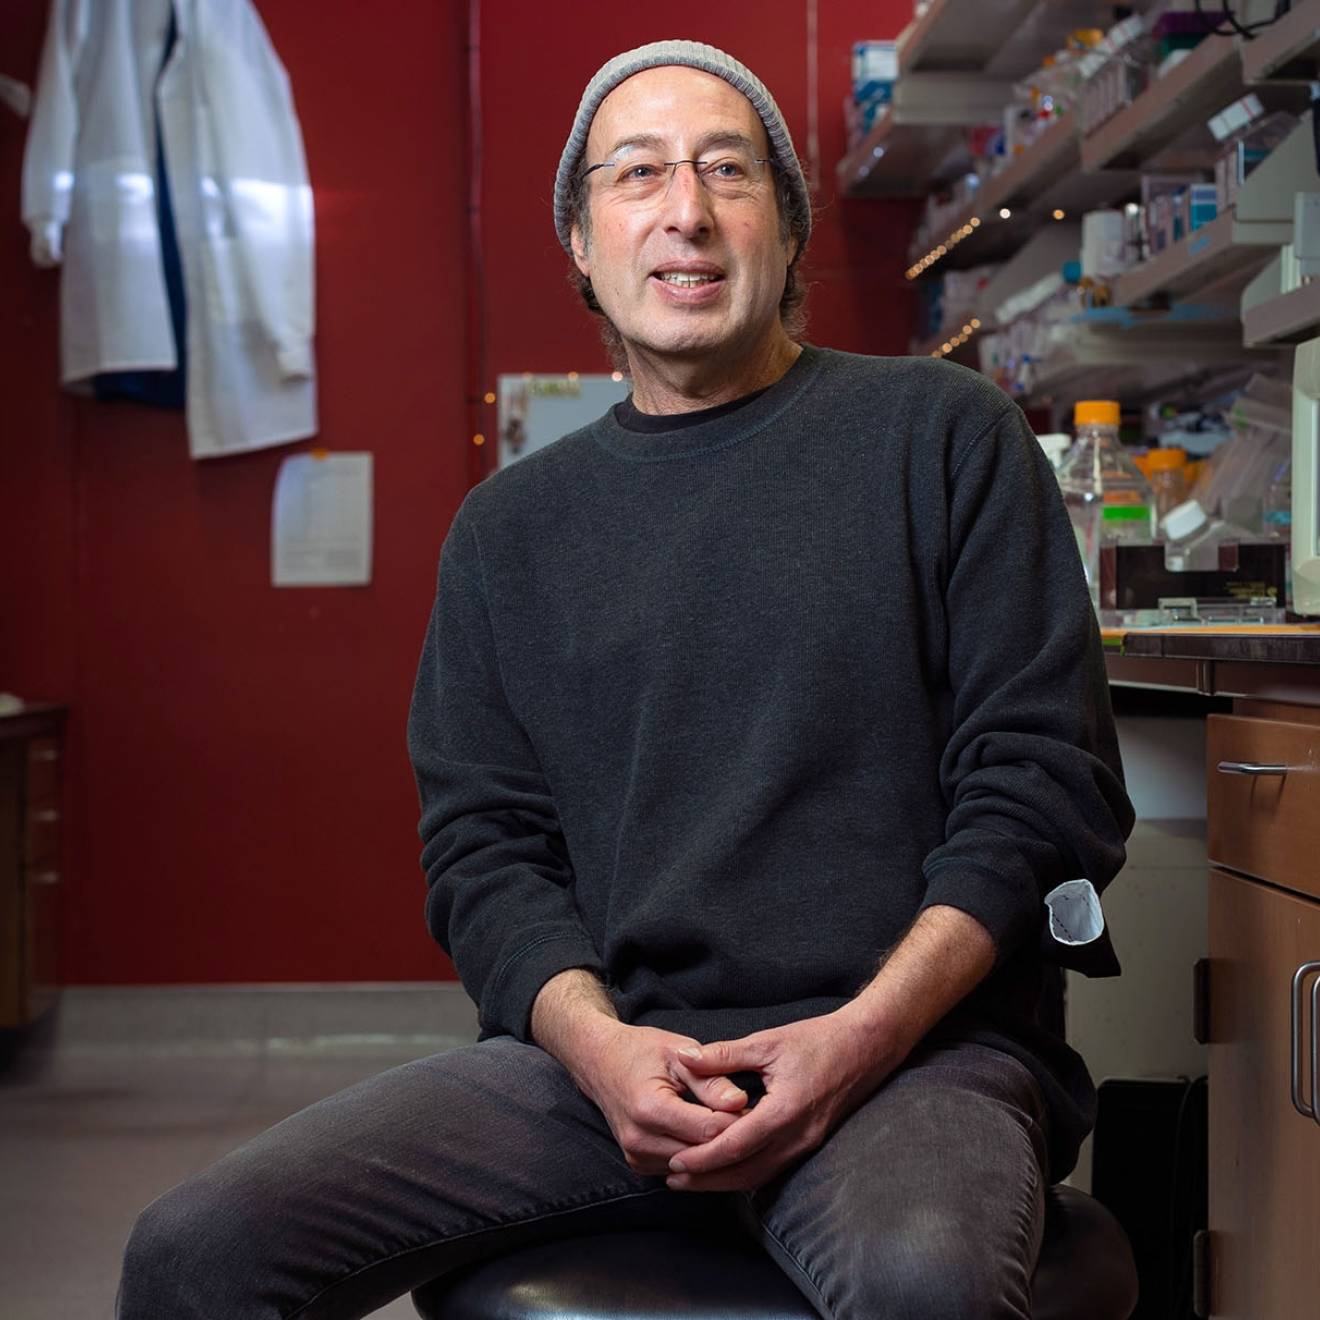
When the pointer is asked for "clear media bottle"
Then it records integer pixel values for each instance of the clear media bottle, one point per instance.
(1276, 505)
(1107, 497)
(1168, 478)
(1276, 518)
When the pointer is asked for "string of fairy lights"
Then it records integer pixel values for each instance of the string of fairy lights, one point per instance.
(942, 250)
(961, 337)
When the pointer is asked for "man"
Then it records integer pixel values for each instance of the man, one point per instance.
(756, 727)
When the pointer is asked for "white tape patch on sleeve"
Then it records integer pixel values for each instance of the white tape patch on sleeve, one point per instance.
(1075, 914)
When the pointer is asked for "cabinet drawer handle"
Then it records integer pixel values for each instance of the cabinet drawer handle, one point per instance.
(1301, 1106)
(44, 877)
(47, 815)
(45, 754)
(1250, 768)
(1315, 1049)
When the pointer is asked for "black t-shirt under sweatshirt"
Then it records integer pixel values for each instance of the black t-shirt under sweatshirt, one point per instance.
(715, 711)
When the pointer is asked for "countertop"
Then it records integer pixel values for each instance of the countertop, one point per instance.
(1264, 662)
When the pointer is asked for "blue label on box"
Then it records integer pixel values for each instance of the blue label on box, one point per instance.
(864, 93)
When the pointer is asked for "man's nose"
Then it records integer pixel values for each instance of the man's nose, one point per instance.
(687, 202)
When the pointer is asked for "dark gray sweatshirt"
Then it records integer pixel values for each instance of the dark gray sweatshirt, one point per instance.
(715, 712)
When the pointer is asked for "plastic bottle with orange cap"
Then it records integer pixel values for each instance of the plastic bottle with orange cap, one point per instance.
(1108, 498)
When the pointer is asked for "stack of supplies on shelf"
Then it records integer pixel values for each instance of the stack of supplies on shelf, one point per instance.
(874, 69)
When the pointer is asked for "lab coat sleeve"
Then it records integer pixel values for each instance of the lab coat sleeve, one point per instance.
(47, 186)
(1031, 772)
(262, 170)
(499, 877)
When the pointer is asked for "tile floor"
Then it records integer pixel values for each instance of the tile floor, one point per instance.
(89, 1135)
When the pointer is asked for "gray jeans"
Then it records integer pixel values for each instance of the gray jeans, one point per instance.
(926, 1202)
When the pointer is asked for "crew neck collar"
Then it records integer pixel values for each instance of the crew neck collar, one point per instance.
(728, 427)
(627, 415)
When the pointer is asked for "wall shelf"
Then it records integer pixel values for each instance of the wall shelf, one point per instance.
(1177, 326)
(1045, 177)
(1004, 38)
(1286, 319)
(1053, 155)
(898, 159)
(958, 34)
(920, 138)
(1189, 94)
(1199, 260)
(1286, 51)
(1136, 364)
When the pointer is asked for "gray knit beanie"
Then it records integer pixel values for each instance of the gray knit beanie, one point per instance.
(696, 56)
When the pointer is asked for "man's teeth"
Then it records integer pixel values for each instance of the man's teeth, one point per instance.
(678, 277)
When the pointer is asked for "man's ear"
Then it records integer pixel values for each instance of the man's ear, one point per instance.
(580, 250)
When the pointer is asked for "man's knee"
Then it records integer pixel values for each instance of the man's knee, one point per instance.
(934, 1274)
(181, 1248)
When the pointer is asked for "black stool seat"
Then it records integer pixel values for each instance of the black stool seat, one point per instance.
(1085, 1272)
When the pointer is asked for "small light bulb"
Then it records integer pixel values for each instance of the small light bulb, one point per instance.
(616, 375)
(478, 439)
(490, 398)
(1058, 214)
(1004, 213)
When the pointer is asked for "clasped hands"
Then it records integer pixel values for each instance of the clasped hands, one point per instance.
(815, 1072)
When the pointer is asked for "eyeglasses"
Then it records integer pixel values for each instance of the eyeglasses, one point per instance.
(732, 175)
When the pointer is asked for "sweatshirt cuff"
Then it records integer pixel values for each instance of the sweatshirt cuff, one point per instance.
(507, 1005)
(1009, 912)
(295, 359)
(47, 245)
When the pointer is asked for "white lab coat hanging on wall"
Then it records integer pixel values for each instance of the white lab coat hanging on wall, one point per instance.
(242, 205)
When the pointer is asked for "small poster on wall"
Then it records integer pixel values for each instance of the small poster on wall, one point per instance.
(536, 410)
(321, 521)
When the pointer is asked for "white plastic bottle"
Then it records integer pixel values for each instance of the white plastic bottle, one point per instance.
(1108, 498)
(1192, 538)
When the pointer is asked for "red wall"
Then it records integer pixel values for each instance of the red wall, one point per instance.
(239, 796)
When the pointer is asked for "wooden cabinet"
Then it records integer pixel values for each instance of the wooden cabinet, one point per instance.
(31, 867)
(1266, 824)
(1264, 1154)
(1263, 819)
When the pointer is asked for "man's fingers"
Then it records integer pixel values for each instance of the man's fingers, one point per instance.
(740, 1140)
(719, 1093)
(725, 1056)
(651, 1154)
(744, 1177)
(661, 1113)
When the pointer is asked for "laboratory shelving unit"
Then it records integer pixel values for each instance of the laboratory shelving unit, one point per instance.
(976, 44)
